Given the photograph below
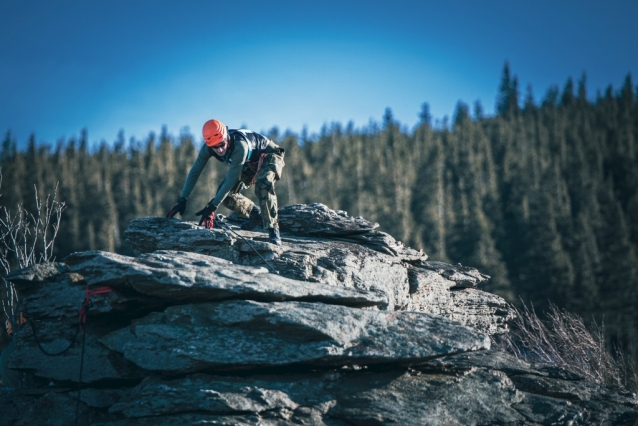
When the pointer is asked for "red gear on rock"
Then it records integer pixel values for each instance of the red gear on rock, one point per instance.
(214, 132)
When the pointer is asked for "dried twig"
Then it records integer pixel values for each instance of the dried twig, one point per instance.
(26, 239)
(565, 341)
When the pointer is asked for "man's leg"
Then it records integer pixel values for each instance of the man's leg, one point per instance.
(237, 202)
(265, 191)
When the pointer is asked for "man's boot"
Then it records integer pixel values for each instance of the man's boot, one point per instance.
(273, 236)
(254, 219)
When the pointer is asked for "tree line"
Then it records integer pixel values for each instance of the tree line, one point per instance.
(542, 196)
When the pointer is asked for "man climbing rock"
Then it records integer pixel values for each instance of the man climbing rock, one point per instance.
(252, 159)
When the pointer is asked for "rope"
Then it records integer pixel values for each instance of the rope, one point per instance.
(82, 320)
(225, 226)
(85, 308)
(44, 351)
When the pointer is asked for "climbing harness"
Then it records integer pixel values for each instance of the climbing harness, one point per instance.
(82, 320)
(226, 227)
(259, 164)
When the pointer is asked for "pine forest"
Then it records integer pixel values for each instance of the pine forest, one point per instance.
(542, 196)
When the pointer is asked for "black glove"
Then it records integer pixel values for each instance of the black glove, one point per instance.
(208, 216)
(178, 208)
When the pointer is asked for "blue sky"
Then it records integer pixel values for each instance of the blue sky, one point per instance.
(140, 65)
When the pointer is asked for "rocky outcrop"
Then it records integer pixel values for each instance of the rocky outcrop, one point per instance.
(354, 329)
(340, 251)
(182, 312)
(476, 388)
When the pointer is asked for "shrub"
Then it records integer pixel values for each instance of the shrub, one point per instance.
(25, 239)
(563, 340)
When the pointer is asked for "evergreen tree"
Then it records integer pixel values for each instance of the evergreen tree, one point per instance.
(507, 99)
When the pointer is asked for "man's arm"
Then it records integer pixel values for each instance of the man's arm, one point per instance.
(234, 172)
(195, 171)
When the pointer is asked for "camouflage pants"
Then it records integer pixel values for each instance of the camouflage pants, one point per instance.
(270, 172)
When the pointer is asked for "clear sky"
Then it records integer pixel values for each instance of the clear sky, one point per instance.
(138, 65)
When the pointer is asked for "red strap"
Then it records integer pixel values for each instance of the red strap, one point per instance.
(87, 299)
(99, 290)
(261, 161)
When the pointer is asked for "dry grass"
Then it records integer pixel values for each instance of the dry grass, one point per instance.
(25, 239)
(563, 340)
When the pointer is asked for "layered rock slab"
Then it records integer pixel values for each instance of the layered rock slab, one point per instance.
(53, 295)
(479, 388)
(248, 334)
(319, 220)
(313, 259)
(549, 395)
(316, 358)
(100, 364)
(331, 332)
(334, 398)
(456, 298)
(184, 276)
(341, 261)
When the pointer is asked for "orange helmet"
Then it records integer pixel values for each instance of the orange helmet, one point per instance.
(214, 132)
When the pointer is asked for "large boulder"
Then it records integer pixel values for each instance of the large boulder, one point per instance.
(191, 277)
(138, 323)
(333, 398)
(353, 328)
(475, 388)
(246, 334)
(340, 251)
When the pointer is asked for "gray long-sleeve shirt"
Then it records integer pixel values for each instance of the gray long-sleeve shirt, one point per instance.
(236, 161)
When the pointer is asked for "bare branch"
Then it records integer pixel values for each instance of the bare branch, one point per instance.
(565, 341)
(25, 239)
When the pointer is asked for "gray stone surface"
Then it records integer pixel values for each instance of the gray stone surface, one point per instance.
(38, 273)
(192, 277)
(432, 293)
(247, 334)
(335, 398)
(319, 220)
(196, 420)
(100, 364)
(398, 273)
(203, 393)
(472, 394)
(550, 395)
(461, 276)
(468, 388)
(493, 360)
(60, 296)
(342, 264)
(53, 407)
(356, 330)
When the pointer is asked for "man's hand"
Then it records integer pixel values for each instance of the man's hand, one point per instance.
(178, 208)
(208, 216)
